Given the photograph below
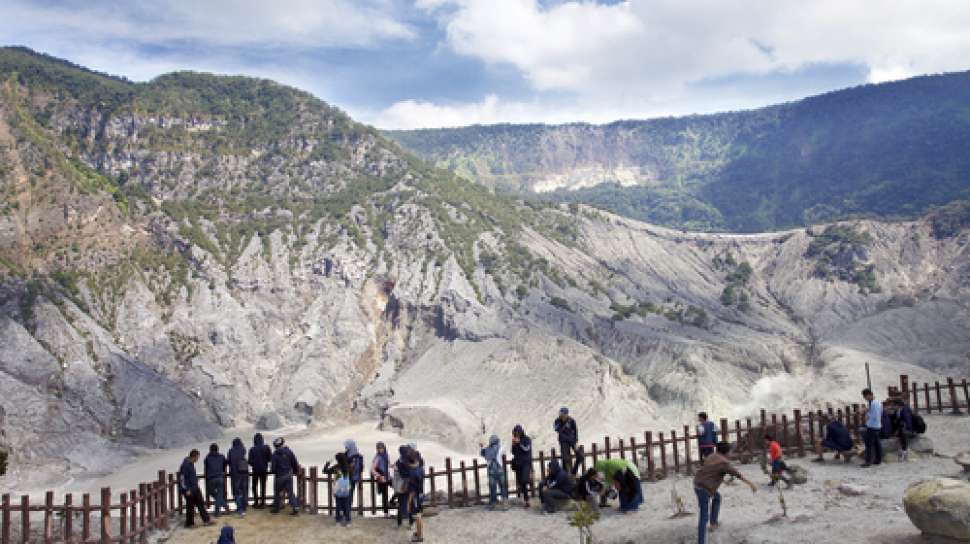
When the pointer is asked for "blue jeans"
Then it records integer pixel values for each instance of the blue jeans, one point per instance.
(873, 446)
(709, 507)
(281, 484)
(633, 504)
(216, 488)
(343, 509)
(496, 483)
(240, 491)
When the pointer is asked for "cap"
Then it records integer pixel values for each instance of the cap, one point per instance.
(278, 442)
(564, 410)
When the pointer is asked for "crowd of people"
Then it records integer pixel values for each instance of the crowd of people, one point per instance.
(400, 485)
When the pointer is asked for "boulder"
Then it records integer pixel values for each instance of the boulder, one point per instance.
(852, 490)
(799, 474)
(963, 459)
(269, 421)
(940, 507)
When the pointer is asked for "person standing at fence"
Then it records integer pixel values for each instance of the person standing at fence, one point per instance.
(342, 490)
(556, 488)
(355, 466)
(259, 456)
(496, 472)
(380, 469)
(706, 435)
(416, 492)
(284, 466)
(189, 488)
(215, 478)
(401, 479)
(568, 432)
(522, 462)
(873, 428)
(902, 421)
(706, 482)
(239, 475)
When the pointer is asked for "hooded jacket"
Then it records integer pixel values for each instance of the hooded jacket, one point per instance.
(560, 479)
(493, 454)
(567, 430)
(188, 478)
(237, 459)
(355, 461)
(382, 462)
(283, 462)
(227, 536)
(259, 455)
(215, 466)
(521, 452)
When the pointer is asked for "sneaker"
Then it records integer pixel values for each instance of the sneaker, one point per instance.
(242, 514)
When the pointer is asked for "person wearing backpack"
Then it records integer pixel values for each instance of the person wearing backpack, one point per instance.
(416, 492)
(259, 456)
(239, 475)
(343, 487)
(904, 426)
(355, 466)
(284, 466)
(399, 480)
(706, 436)
(522, 462)
(496, 472)
(380, 470)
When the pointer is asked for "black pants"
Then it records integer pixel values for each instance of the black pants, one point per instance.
(382, 491)
(873, 447)
(705, 450)
(553, 499)
(523, 481)
(259, 489)
(568, 451)
(403, 508)
(197, 501)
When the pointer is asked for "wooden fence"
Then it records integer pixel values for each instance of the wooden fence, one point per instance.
(149, 507)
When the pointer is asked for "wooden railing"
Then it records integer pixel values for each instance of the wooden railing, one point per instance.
(149, 507)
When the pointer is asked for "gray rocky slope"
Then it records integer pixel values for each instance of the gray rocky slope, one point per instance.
(149, 319)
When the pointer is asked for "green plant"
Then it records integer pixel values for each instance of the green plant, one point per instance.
(561, 303)
(583, 519)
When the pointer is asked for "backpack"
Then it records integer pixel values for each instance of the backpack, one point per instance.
(342, 489)
(919, 424)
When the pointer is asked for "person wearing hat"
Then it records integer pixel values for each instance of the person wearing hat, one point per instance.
(565, 427)
(496, 472)
(284, 466)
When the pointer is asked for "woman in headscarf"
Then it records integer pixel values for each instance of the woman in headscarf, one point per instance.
(495, 470)
(629, 490)
(355, 466)
(380, 469)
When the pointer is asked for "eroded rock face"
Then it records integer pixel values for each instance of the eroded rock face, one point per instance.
(940, 507)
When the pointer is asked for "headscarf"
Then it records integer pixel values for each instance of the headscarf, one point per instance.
(383, 461)
(350, 447)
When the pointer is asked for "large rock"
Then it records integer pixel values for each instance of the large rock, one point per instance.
(269, 422)
(940, 507)
(963, 459)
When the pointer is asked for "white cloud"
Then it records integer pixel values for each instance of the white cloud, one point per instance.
(656, 48)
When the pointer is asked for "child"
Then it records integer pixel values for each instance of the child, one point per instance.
(778, 466)
(341, 491)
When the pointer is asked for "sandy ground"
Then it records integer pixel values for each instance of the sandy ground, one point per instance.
(818, 513)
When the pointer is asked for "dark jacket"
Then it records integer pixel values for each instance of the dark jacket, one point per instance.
(887, 425)
(215, 466)
(340, 468)
(521, 452)
(188, 479)
(237, 459)
(836, 433)
(905, 418)
(587, 486)
(567, 430)
(284, 463)
(707, 434)
(259, 455)
(227, 536)
(355, 461)
(560, 479)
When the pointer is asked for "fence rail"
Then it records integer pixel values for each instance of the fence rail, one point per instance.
(148, 507)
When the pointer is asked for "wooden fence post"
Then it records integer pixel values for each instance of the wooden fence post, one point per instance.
(663, 453)
(606, 447)
(966, 394)
(939, 398)
(162, 500)
(314, 492)
(622, 453)
(750, 436)
(690, 467)
(915, 397)
(581, 454)
(49, 517)
(595, 453)
(123, 519)
(105, 515)
(478, 486)
(797, 415)
(434, 494)
(25, 518)
(505, 472)
(811, 428)
(633, 454)
(86, 522)
(451, 496)
(673, 442)
(784, 430)
(373, 493)
(5, 522)
(464, 483)
(330, 500)
(904, 387)
(133, 517)
(68, 518)
(648, 438)
(926, 397)
(172, 488)
(142, 506)
(954, 400)
(725, 431)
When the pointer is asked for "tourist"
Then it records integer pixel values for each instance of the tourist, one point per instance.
(708, 478)
(400, 479)
(609, 467)
(590, 489)
(239, 475)
(380, 470)
(556, 488)
(284, 466)
(415, 487)
(259, 456)
(835, 437)
(873, 427)
(496, 472)
(903, 427)
(706, 435)
(189, 488)
(628, 489)
(355, 464)
(777, 459)
(214, 468)
(568, 432)
(227, 536)
(343, 488)
(522, 462)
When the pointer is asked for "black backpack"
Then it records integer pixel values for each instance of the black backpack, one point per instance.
(919, 424)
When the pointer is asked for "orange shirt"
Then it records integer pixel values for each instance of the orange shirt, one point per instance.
(774, 450)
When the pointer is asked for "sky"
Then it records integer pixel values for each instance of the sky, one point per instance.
(433, 63)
